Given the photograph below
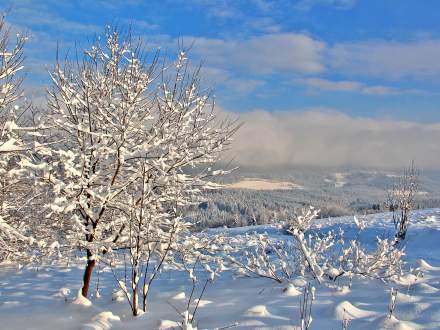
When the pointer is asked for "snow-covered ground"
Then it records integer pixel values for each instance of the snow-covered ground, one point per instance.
(45, 297)
(338, 179)
(263, 184)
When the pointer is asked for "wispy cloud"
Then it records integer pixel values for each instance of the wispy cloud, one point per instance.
(339, 4)
(387, 59)
(266, 54)
(353, 86)
(215, 77)
(140, 25)
(329, 85)
(39, 15)
(219, 9)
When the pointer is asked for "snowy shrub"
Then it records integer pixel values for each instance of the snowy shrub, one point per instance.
(200, 257)
(257, 254)
(330, 255)
(323, 255)
(313, 248)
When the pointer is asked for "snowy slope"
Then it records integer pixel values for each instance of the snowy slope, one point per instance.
(43, 298)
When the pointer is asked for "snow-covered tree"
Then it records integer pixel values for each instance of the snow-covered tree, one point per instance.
(24, 235)
(401, 199)
(129, 145)
(171, 174)
(14, 223)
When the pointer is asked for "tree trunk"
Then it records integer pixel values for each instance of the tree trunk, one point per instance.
(135, 302)
(144, 302)
(134, 281)
(88, 273)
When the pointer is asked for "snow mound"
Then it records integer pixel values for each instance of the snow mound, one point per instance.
(412, 311)
(299, 282)
(406, 298)
(80, 300)
(291, 291)
(119, 296)
(102, 321)
(425, 288)
(342, 291)
(345, 310)
(179, 296)
(408, 279)
(431, 218)
(62, 293)
(11, 302)
(391, 323)
(424, 265)
(167, 324)
(258, 310)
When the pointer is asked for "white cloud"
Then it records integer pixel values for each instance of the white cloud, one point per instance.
(221, 9)
(387, 60)
(214, 77)
(328, 138)
(329, 85)
(300, 54)
(383, 90)
(280, 53)
(244, 86)
(33, 14)
(339, 4)
(140, 25)
(353, 86)
(265, 25)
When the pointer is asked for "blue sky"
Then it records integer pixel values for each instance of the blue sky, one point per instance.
(364, 58)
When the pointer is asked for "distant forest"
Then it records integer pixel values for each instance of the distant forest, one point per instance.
(363, 193)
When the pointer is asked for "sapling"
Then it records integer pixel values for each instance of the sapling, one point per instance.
(401, 200)
(345, 321)
(392, 303)
(305, 307)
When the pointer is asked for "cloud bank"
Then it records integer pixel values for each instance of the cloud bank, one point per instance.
(328, 138)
